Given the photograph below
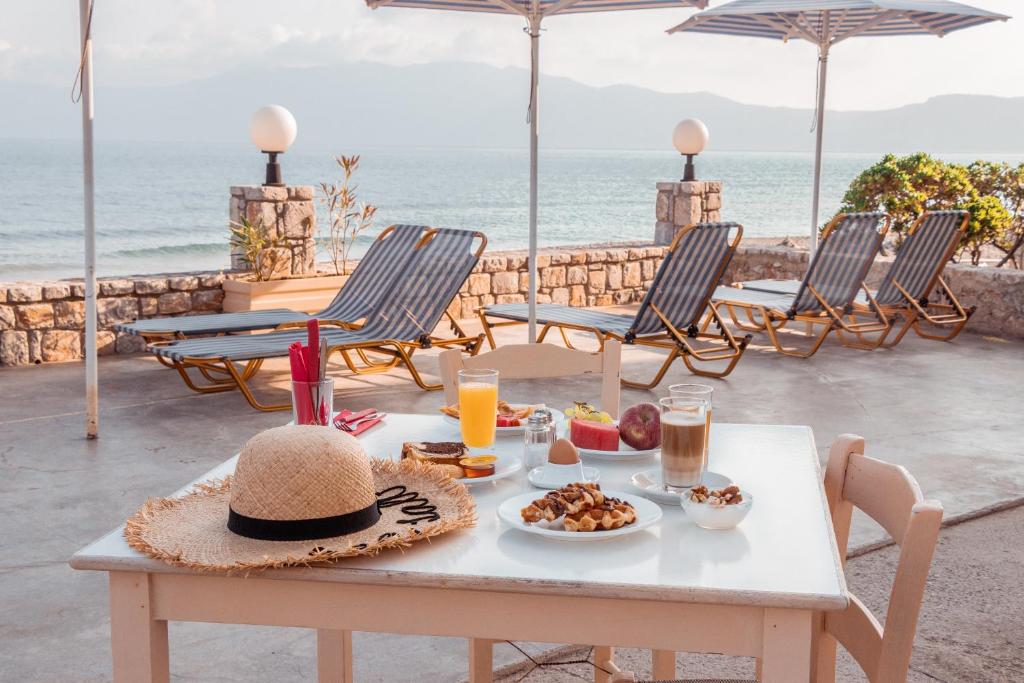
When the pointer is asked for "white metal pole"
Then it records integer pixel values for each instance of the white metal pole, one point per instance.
(819, 130)
(91, 374)
(534, 82)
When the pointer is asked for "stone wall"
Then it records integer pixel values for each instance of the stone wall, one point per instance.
(42, 322)
(683, 203)
(45, 322)
(287, 216)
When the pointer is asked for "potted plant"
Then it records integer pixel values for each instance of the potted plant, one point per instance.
(268, 253)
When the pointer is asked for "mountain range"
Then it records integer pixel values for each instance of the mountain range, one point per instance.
(475, 105)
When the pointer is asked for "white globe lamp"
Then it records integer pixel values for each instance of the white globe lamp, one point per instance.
(689, 138)
(273, 131)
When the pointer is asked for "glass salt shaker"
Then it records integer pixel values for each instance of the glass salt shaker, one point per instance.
(539, 438)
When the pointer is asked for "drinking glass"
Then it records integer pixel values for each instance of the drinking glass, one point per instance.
(705, 392)
(313, 402)
(683, 441)
(478, 407)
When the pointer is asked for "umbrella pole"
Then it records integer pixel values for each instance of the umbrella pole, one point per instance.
(534, 82)
(819, 129)
(91, 374)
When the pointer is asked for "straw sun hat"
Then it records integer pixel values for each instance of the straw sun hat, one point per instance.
(299, 495)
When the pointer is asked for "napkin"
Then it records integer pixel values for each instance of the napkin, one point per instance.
(349, 416)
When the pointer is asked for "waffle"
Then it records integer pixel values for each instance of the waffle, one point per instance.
(566, 500)
(611, 514)
(583, 507)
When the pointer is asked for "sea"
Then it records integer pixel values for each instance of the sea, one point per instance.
(163, 207)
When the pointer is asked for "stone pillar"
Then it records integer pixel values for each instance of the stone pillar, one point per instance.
(288, 218)
(681, 203)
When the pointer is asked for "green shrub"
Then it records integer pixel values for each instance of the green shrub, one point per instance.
(906, 186)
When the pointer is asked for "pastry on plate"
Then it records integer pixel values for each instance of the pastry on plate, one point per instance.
(611, 514)
(507, 415)
(570, 499)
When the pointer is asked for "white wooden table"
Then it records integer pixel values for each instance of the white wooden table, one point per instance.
(753, 591)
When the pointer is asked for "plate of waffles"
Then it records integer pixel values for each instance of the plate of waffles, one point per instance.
(579, 512)
(510, 418)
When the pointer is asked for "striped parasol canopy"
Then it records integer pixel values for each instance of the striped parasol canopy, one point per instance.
(827, 22)
(534, 12)
(542, 8)
(831, 21)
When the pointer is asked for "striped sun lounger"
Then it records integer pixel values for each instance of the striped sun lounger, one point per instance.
(914, 275)
(403, 322)
(373, 275)
(669, 314)
(827, 293)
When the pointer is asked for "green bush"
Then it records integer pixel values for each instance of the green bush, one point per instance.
(905, 186)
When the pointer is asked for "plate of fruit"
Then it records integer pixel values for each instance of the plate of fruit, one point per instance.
(636, 434)
(510, 418)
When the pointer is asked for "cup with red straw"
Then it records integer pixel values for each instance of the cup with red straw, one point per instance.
(312, 391)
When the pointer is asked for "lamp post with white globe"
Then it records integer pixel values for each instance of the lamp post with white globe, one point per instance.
(273, 130)
(689, 138)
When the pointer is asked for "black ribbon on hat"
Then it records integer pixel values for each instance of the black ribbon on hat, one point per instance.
(303, 529)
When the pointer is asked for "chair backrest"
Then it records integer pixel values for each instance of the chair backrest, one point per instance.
(693, 266)
(537, 361)
(382, 264)
(413, 305)
(848, 246)
(929, 245)
(889, 495)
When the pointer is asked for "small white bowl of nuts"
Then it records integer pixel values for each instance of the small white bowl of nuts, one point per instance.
(716, 508)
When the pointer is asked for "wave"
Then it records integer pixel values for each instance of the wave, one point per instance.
(171, 250)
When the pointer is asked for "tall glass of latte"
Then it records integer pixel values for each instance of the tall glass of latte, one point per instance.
(683, 438)
(703, 391)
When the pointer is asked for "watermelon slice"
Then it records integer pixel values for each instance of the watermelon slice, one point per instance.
(596, 436)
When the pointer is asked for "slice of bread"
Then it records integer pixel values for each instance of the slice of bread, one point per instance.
(439, 452)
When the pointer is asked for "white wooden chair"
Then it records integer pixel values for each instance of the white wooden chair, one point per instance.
(890, 496)
(538, 361)
(531, 361)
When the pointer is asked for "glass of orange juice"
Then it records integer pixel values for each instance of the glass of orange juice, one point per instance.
(478, 407)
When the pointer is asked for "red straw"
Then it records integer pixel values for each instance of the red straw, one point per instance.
(313, 350)
(303, 403)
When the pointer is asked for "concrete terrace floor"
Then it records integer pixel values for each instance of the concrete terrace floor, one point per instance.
(950, 413)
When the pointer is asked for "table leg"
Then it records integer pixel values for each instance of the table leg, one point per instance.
(481, 660)
(333, 656)
(663, 665)
(138, 642)
(823, 652)
(602, 656)
(786, 646)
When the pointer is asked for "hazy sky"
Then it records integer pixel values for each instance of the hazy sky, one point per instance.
(154, 41)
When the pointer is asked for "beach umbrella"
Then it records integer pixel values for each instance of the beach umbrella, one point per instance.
(534, 12)
(83, 91)
(827, 22)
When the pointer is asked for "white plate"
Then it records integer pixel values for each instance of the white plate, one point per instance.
(624, 453)
(647, 513)
(648, 483)
(505, 466)
(557, 415)
(590, 474)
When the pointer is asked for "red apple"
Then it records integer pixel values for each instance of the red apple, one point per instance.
(640, 426)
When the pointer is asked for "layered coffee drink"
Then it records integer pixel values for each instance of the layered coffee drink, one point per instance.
(683, 440)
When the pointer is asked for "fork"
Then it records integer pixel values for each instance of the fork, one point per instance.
(351, 426)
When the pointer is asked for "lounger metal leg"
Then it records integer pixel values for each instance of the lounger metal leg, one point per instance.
(243, 385)
(487, 327)
(816, 342)
(207, 389)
